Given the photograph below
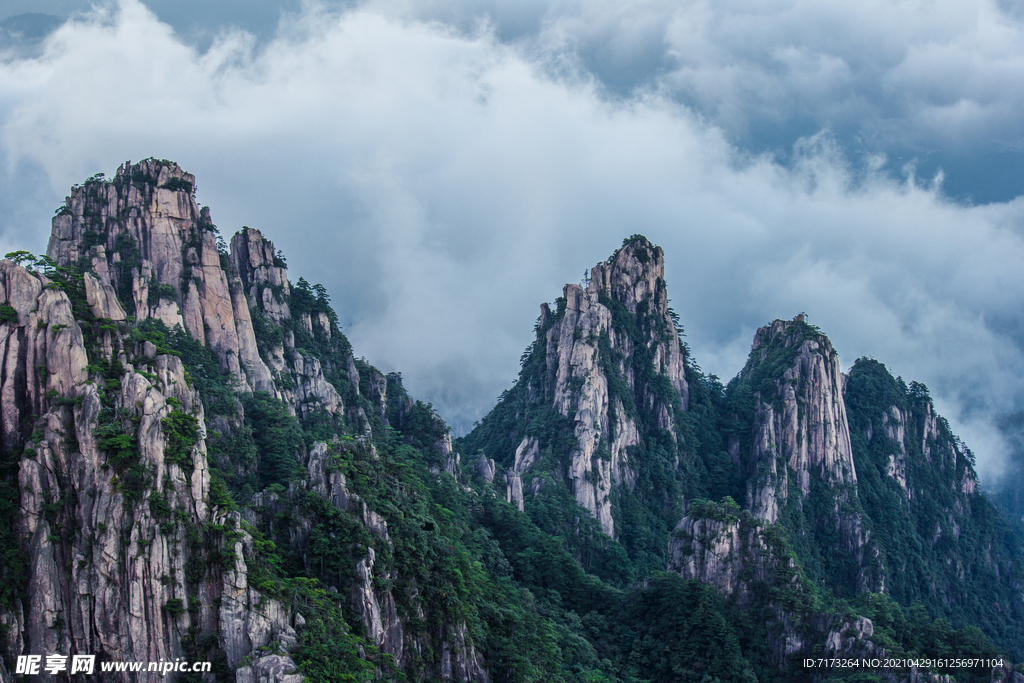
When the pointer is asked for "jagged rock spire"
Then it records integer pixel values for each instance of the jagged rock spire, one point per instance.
(800, 423)
(603, 356)
(143, 236)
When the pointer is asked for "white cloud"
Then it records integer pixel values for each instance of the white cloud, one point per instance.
(929, 74)
(442, 183)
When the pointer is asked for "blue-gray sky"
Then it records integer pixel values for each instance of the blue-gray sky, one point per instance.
(444, 166)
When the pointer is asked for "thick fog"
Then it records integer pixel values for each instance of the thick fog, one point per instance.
(444, 167)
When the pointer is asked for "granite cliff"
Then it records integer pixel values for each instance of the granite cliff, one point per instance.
(144, 238)
(597, 407)
(129, 557)
(137, 338)
(796, 452)
(585, 350)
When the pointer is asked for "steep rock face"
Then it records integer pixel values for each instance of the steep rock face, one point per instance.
(250, 622)
(372, 385)
(143, 237)
(609, 362)
(727, 552)
(42, 348)
(114, 488)
(800, 427)
(870, 485)
(580, 392)
(300, 378)
(635, 278)
(894, 428)
(799, 466)
(102, 299)
(262, 273)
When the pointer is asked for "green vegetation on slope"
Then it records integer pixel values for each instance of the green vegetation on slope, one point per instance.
(942, 548)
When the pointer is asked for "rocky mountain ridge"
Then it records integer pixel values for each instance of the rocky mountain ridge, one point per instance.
(603, 384)
(135, 555)
(203, 469)
(782, 444)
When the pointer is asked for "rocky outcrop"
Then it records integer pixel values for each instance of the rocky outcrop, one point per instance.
(373, 386)
(263, 274)
(606, 350)
(486, 468)
(746, 559)
(455, 656)
(894, 427)
(581, 389)
(145, 246)
(526, 454)
(514, 489)
(299, 377)
(250, 622)
(1006, 674)
(727, 551)
(131, 556)
(941, 450)
(102, 299)
(312, 392)
(114, 491)
(459, 660)
(800, 427)
(144, 238)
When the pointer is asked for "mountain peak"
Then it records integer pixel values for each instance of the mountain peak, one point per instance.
(159, 172)
(788, 332)
(633, 274)
(608, 367)
(800, 417)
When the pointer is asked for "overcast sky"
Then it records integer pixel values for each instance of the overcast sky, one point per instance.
(445, 166)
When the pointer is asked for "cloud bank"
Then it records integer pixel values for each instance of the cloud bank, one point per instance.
(936, 83)
(442, 172)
